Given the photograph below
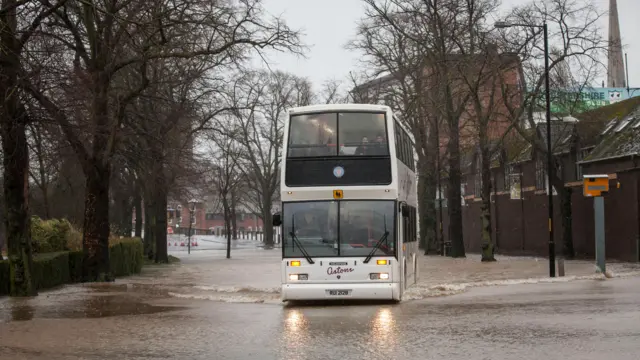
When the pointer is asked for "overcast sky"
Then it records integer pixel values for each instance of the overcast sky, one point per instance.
(329, 24)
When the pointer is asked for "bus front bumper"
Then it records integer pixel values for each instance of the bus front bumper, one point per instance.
(332, 291)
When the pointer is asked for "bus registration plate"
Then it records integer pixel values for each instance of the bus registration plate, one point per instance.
(338, 292)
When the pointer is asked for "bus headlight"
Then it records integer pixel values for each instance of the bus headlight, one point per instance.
(379, 276)
(296, 277)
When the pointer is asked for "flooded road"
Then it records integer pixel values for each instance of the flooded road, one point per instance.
(212, 308)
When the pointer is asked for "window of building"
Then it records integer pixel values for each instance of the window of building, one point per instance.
(623, 124)
(609, 126)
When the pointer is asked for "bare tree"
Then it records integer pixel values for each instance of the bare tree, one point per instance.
(406, 88)
(42, 146)
(225, 176)
(577, 43)
(109, 39)
(19, 21)
(439, 31)
(489, 122)
(159, 142)
(331, 92)
(261, 100)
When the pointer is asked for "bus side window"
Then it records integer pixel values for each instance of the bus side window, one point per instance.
(406, 144)
(397, 131)
(409, 226)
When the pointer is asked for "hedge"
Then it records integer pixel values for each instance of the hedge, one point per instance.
(126, 257)
(49, 235)
(65, 267)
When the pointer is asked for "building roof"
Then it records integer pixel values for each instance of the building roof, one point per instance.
(519, 150)
(593, 122)
(620, 137)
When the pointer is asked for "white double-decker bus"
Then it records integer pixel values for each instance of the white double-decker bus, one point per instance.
(349, 199)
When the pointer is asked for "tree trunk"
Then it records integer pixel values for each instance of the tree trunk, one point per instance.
(427, 210)
(564, 193)
(97, 170)
(95, 243)
(13, 119)
(422, 212)
(137, 203)
(454, 192)
(160, 217)
(485, 217)
(430, 175)
(42, 182)
(227, 222)
(149, 225)
(567, 223)
(234, 215)
(268, 231)
(267, 220)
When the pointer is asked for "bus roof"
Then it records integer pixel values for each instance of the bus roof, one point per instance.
(338, 107)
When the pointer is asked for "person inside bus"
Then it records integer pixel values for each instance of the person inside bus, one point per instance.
(362, 148)
(379, 146)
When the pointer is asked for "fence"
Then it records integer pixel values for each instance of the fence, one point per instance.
(242, 234)
(520, 227)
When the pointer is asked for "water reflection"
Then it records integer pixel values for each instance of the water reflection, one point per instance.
(383, 330)
(296, 337)
(294, 321)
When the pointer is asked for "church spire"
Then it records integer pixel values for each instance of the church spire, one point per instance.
(615, 68)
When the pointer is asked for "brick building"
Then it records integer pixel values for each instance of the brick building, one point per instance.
(497, 74)
(603, 141)
(208, 216)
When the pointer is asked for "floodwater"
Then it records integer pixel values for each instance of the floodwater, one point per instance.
(210, 307)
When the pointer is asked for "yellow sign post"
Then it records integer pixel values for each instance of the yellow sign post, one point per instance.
(596, 186)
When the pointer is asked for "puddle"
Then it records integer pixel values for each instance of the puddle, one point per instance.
(88, 308)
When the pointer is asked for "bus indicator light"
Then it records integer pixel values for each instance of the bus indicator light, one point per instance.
(295, 263)
(381, 262)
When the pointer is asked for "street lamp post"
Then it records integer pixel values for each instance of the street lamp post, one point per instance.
(552, 246)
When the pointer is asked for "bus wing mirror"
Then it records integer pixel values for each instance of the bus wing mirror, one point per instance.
(277, 221)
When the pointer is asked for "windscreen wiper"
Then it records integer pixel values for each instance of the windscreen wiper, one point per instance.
(297, 242)
(380, 241)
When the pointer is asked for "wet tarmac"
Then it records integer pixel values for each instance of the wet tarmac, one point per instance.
(226, 309)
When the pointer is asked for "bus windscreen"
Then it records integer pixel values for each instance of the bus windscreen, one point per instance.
(339, 228)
